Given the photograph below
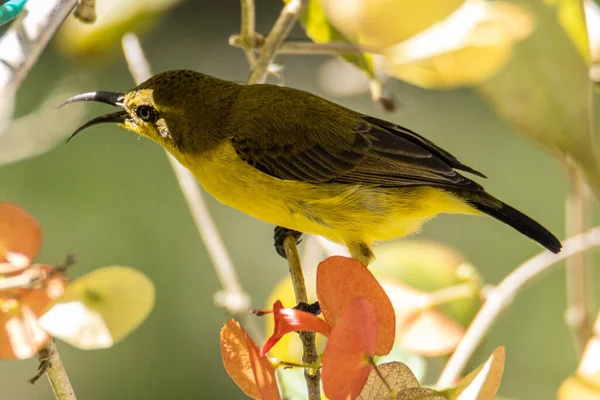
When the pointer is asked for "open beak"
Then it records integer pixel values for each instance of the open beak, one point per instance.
(115, 99)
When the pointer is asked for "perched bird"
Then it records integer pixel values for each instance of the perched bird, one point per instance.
(303, 163)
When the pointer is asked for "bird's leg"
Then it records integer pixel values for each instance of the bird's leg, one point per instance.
(279, 236)
(361, 252)
(314, 308)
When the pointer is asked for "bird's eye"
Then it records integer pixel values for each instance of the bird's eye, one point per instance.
(146, 113)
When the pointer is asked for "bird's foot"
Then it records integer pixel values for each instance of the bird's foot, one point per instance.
(314, 308)
(279, 237)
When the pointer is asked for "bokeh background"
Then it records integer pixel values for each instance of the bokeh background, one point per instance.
(111, 199)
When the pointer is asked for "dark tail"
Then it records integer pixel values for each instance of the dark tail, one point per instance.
(519, 221)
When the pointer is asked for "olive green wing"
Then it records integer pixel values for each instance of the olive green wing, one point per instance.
(318, 143)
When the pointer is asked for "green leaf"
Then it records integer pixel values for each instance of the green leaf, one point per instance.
(320, 30)
(544, 92)
(101, 308)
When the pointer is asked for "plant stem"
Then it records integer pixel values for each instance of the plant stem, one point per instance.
(305, 47)
(578, 314)
(232, 297)
(288, 17)
(57, 375)
(310, 356)
(502, 295)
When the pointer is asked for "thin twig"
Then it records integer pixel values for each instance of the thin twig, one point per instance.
(232, 297)
(248, 30)
(306, 47)
(578, 313)
(56, 373)
(310, 356)
(288, 17)
(502, 295)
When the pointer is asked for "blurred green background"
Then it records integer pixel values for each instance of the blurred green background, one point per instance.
(112, 199)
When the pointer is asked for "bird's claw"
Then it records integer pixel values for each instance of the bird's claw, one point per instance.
(314, 308)
(279, 237)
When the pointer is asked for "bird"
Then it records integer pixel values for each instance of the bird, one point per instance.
(302, 163)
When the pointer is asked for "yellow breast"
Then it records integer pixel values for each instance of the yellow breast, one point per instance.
(344, 213)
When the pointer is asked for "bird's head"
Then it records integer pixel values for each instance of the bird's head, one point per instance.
(180, 110)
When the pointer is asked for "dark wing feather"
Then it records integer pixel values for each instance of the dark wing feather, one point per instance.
(319, 144)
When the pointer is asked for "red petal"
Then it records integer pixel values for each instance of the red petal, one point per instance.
(254, 374)
(341, 279)
(20, 233)
(351, 342)
(291, 320)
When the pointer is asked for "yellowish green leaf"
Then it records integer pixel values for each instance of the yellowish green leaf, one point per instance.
(101, 308)
(384, 23)
(429, 266)
(466, 49)
(320, 30)
(571, 16)
(114, 19)
(544, 92)
(483, 382)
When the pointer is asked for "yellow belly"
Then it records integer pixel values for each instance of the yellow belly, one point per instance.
(343, 213)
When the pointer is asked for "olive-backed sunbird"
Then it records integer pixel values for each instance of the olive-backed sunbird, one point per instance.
(300, 162)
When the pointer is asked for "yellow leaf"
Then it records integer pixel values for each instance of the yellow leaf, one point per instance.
(386, 22)
(483, 382)
(114, 19)
(466, 49)
(577, 388)
(101, 308)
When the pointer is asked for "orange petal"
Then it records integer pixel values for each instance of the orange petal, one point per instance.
(20, 335)
(20, 233)
(291, 320)
(341, 279)
(351, 342)
(254, 374)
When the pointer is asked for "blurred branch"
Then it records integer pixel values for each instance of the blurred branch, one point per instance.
(578, 313)
(304, 47)
(232, 297)
(502, 295)
(310, 356)
(247, 31)
(288, 17)
(56, 373)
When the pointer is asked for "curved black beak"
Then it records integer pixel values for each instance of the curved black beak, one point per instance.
(114, 99)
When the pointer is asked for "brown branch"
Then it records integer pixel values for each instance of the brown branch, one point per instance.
(52, 365)
(310, 356)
